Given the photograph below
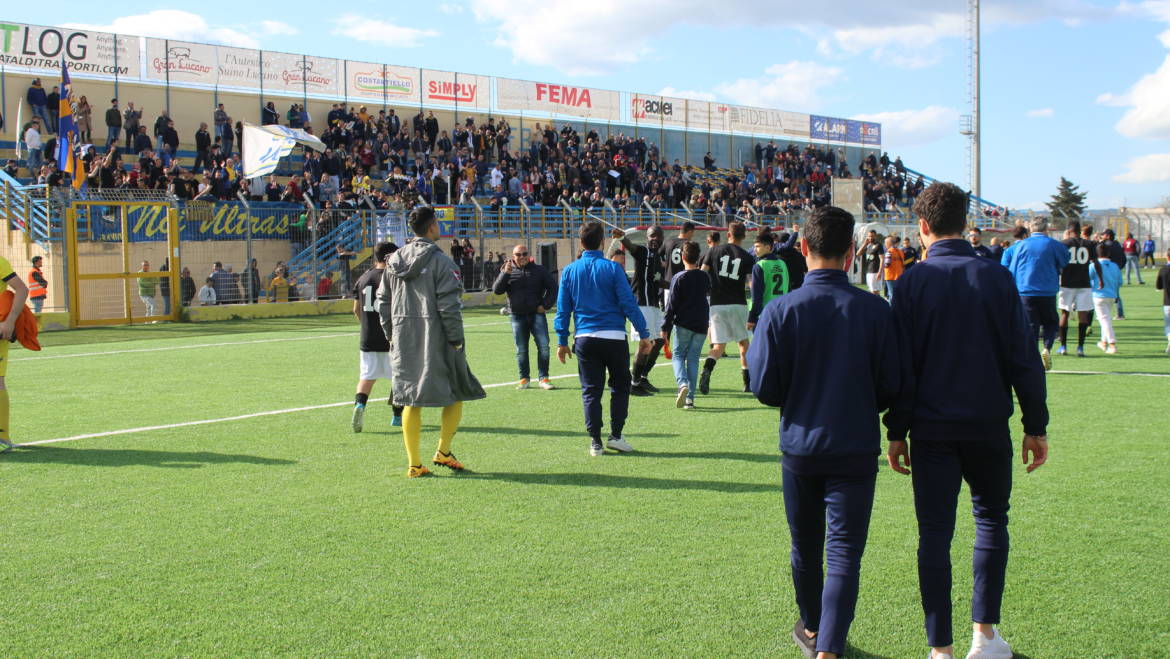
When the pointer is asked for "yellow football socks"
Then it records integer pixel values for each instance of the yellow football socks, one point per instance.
(411, 429)
(450, 423)
(4, 414)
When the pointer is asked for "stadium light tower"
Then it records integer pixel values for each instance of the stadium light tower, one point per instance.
(969, 124)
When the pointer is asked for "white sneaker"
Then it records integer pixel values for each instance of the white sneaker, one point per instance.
(359, 414)
(681, 399)
(596, 449)
(989, 648)
(932, 655)
(545, 384)
(1112, 349)
(619, 444)
(1103, 346)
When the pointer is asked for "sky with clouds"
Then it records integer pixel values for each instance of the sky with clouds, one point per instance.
(1073, 88)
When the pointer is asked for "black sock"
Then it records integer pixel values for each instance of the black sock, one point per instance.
(709, 364)
(653, 356)
(1081, 329)
(747, 378)
(361, 399)
(397, 409)
(639, 368)
(1063, 334)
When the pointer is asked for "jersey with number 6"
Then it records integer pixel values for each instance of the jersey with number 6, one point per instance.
(672, 252)
(1081, 253)
(365, 291)
(731, 268)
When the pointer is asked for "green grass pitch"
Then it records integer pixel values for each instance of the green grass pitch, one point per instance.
(287, 534)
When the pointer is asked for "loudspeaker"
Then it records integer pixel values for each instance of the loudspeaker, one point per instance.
(546, 255)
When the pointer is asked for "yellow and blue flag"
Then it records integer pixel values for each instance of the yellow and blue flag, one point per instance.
(68, 156)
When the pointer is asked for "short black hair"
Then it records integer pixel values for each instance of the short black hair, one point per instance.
(35, 259)
(688, 227)
(829, 232)
(384, 249)
(690, 252)
(421, 220)
(944, 207)
(591, 235)
(713, 236)
(765, 238)
(736, 230)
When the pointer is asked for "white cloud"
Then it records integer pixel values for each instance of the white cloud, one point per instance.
(360, 28)
(278, 27)
(789, 85)
(1149, 105)
(605, 35)
(1115, 100)
(1041, 113)
(1153, 168)
(174, 24)
(686, 93)
(906, 128)
(450, 8)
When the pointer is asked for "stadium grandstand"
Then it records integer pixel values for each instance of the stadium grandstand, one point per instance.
(161, 122)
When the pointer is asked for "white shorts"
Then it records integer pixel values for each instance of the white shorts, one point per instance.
(1075, 299)
(654, 318)
(729, 323)
(874, 281)
(374, 365)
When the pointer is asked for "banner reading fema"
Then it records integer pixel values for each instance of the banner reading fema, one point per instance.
(222, 221)
(86, 51)
(558, 99)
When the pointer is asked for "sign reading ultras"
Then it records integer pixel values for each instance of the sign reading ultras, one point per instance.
(86, 51)
(559, 99)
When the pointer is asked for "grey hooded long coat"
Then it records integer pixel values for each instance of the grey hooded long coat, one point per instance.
(420, 301)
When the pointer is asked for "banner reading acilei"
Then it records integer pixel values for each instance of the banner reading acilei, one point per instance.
(86, 51)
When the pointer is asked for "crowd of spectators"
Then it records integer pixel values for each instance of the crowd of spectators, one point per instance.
(384, 160)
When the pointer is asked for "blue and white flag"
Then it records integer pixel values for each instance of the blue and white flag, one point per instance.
(264, 146)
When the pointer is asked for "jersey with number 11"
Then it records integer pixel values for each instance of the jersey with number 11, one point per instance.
(731, 268)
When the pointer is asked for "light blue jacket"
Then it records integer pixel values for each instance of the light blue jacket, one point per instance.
(1035, 263)
(1112, 276)
(594, 291)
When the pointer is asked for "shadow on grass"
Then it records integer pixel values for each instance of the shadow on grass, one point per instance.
(99, 457)
(623, 482)
(547, 432)
(703, 455)
(853, 652)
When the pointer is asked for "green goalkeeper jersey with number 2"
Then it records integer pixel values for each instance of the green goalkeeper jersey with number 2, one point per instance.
(775, 272)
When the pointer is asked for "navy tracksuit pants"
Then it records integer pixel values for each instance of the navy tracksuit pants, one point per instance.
(595, 358)
(827, 601)
(939, 469)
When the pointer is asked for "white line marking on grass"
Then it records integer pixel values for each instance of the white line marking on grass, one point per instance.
(207, 345)
(240, 417)
(1144, 375)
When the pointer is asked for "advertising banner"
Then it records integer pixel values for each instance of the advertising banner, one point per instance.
(399, 85)
(557, 99)
(297, 74)
(871, 133)
(462, 89)
(664, 110)
(830, 129)
(238, 67)
(227, 220)
(770, 122)
(702, 115)
(86, 51)
(181, 62)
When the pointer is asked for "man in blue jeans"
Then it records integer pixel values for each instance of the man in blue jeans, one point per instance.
(596, 295)
(967, 345)
(531, 291)
(688, 313)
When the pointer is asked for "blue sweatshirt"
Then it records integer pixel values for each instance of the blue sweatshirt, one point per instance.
(1036, 262)
(1111, 288)
(827, 355)
(688, 305)
(962, 326)
(596, 293)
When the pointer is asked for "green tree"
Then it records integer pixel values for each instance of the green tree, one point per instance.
(1068, 202)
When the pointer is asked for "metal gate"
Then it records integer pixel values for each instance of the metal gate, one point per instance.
(123, 261)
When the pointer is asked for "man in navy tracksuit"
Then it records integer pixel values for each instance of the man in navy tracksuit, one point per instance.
(596, 294)
(827, 355)
(1036, 262)
(968, 344)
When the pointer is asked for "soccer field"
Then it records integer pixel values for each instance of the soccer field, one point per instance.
(199, 492)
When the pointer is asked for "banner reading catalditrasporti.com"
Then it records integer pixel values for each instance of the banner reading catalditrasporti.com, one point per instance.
(85, 51)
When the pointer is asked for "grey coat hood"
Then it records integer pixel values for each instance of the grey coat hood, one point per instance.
(410, 261)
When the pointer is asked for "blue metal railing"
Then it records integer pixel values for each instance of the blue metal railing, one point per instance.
(26, 207)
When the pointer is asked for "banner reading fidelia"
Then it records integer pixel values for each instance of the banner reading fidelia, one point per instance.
(227, 220)
(86, 51)
(772, 122)
(558, 99)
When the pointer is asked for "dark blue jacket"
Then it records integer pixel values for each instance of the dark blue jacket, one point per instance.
(963, 331)
(37, 97)
(688, 302)
(527, 288)
(827, 355)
